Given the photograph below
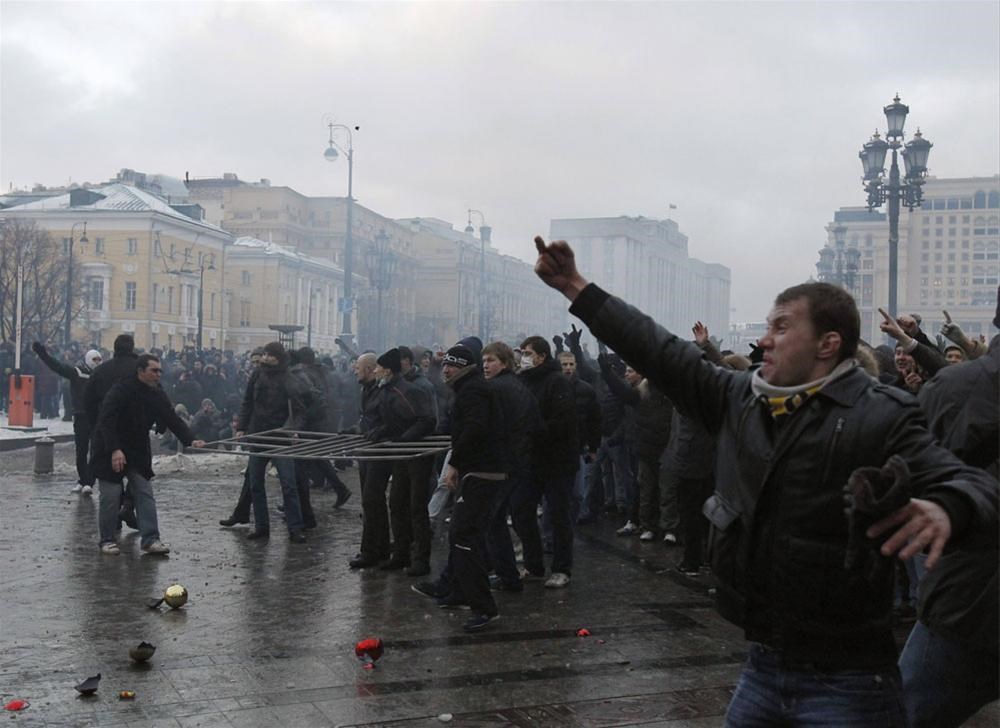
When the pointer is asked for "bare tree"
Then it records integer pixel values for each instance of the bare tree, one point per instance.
(44, 287)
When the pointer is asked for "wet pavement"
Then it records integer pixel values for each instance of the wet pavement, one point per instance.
(267, 636)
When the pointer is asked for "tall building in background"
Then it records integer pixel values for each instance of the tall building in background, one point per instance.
(949, 256)
(646, 262)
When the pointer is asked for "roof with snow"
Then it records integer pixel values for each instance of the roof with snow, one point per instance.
(110, 198)
(260, 246)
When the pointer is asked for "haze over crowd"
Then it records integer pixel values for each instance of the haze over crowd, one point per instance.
(746, 116)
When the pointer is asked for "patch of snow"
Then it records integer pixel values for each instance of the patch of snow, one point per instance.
(54, 426)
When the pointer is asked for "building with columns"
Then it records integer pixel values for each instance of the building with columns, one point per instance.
(949, 256)
(271, 285)
(147, 267)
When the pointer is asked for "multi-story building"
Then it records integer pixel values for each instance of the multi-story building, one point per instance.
(148, 268)
(452, 300)
(949, 256)
(269, 285)
(646, 262)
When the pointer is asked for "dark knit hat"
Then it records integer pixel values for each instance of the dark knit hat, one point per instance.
(473, 344)
(391, 361)
(459, 356)
(275, 349)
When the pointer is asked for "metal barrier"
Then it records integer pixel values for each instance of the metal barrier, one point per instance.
(306, 445)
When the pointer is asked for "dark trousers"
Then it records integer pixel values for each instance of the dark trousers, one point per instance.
(557, 490)
(691, 496)
(242, 510)
(499, 546)
(375, 529)
(469, 522)
(323, 470)
(649, 493)
(411, 528)
(304, 471)
(81, 438)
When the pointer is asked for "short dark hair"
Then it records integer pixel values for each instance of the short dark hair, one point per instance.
(405, 352)
(831, 308)
(124, 344)
(144, 359)
(538, 345)
(502, 352)
(307, 355)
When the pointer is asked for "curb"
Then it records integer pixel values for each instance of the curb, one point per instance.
(22, 443)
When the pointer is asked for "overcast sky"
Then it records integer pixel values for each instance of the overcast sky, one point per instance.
(746, 116)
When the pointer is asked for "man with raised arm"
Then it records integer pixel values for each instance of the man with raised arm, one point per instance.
(809, 586)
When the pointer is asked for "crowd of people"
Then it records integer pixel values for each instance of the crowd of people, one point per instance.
(743, 461)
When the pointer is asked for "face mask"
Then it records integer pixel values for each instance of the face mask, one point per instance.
(527, 361)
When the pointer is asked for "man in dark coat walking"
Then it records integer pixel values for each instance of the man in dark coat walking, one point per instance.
(121, 450)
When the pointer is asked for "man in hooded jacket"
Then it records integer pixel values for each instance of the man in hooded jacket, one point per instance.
(78, 377)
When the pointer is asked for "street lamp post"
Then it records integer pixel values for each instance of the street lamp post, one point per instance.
(381, 262)
(69, 281)
(201, 292)
(309, 318)
(839, 264)
(331, 155)
(907, 191)
(484, 237)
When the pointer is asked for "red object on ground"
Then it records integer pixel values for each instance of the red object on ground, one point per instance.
(583, 632)
(370, 649)
(16, 705)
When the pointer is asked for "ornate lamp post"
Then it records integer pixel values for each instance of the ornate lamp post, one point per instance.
(69, 281)
(381, 262)
(333, 151)
(907, 191)
(484, 237)
(839, 264)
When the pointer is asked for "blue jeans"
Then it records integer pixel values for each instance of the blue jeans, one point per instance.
(770, 693)
(145, 508)
(289, 492)
(944, 682)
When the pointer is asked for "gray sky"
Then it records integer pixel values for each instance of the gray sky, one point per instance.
(747, 116)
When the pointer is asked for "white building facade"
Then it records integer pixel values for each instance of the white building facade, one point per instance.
(646, 262)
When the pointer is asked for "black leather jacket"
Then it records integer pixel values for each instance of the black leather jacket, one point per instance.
(779, 534)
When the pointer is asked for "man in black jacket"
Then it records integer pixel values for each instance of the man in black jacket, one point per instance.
(120, 367)
(274, 399)
(588, 424)
(78, 377)
(478, 464)
(374, 474)
(790, 435)
(555, 460)
(405, 415)
(121, 450)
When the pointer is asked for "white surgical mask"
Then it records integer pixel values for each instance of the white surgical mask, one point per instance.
(527, 361)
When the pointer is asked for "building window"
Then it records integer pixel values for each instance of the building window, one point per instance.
(133, 246)
(246, 278)
(99, 246)
(156, 291)
(130, 296)
(157, 248)
(96, 294)
(170, 299)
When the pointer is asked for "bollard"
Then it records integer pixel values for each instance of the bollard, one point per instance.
(44, 454)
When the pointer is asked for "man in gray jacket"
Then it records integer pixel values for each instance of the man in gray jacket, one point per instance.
(810, 590)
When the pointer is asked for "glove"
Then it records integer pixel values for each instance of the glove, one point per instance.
(558, 341)
(870, 495)
(603, 362)
(38, 348)
(573, 337)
